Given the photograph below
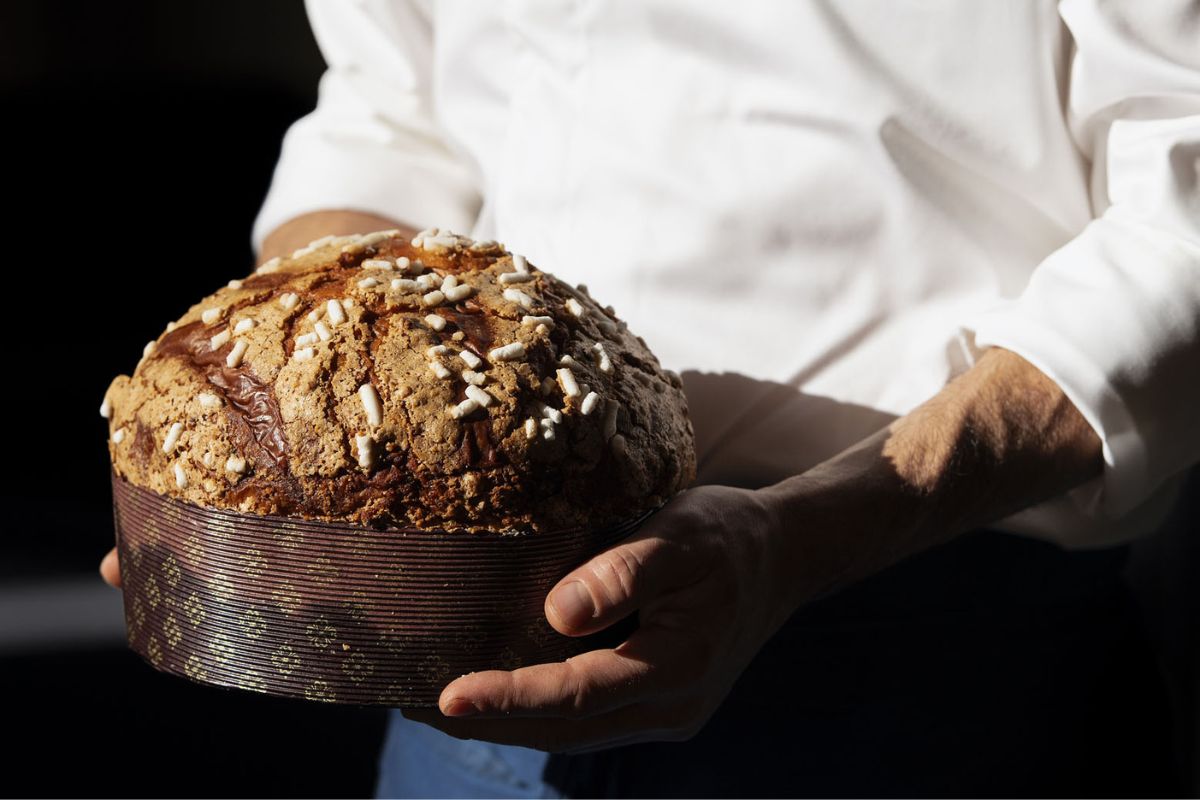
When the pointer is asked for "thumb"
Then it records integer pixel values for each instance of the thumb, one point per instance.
(617, 582)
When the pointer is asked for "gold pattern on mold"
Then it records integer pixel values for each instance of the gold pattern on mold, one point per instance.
(154, 650)
(509, 659)
(151, 591)
(137, 614)
(253, 563)
(323, 570)
(288, 535)
(286, 598)
(221, 649)
(284, 659)
(358, 667)
(217, 534)
(320, 691)
(357, 606)
(394, 694)
(150, 531)
(193, 552)
(248, 678)
(170, 571)
(321, 633)
(132, 559)
(252, 623)
(193, 609)
(393, 641)
(539, 632)
(171, 631)
(221, 588)
(194, 668)
(434, 669)
(468, 637)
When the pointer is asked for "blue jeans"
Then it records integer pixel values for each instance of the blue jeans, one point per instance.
(991, 666)
(419, 761)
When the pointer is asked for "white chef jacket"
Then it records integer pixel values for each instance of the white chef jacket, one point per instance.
(818, 212)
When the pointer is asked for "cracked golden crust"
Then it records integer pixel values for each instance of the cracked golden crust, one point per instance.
(295, 420)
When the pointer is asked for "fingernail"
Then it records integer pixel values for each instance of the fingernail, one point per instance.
(459, 707)
(573, 604)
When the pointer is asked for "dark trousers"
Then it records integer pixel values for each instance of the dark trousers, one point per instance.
(991, 666)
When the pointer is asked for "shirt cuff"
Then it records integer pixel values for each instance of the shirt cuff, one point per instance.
(1111, 318)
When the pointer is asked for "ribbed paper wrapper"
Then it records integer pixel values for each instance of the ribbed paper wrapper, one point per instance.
(335, 612)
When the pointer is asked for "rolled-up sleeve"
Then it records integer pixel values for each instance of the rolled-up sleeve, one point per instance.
(372, 143)
(1113, 316)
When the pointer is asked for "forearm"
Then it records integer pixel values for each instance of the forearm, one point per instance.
(299, 231)
(997, 439)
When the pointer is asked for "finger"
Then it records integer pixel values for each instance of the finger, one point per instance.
(620, 580)
(110, 569)
(654, 663)
(622, 726)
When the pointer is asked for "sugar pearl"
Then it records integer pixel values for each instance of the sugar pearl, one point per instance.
(508, 352)
(434, 321)
(566, 379)
(181, 479)
(234, 359)
(172, 437)
(602, 360)
(464, 408)
(289, 300)
(589, 403)
(371, 404)
(337, 314)
(457, 293)
(519, 297)
(478, 395)
(366, 451)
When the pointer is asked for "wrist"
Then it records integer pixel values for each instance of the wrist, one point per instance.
(845, 519)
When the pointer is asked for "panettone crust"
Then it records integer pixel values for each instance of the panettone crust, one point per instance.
(265, 424)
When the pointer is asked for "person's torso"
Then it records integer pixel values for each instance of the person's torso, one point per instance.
(809, 194)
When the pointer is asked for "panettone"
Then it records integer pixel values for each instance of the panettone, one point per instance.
(437, 383)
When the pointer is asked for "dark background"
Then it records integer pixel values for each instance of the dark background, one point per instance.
(139, 140)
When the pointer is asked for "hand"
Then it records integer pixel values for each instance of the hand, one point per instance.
(699, 576)
(110, 569)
